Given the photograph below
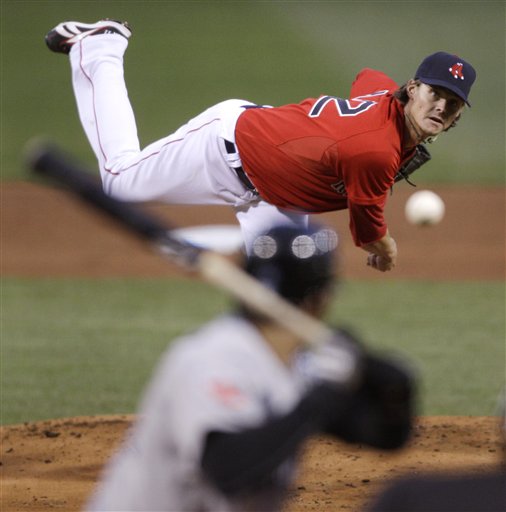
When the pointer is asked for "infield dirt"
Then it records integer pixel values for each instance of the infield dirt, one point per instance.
(47, 233)
(54, 464)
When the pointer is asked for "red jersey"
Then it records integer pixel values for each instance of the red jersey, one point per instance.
(329, 153)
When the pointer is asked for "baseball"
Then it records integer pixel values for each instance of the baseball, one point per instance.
(424, 208)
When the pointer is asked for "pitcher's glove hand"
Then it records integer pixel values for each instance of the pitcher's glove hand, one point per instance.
(420, 157)
(377, 411)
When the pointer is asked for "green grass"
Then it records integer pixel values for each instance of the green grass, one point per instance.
(72, 347)
(78, 347)
(452, 332)
(187, 55)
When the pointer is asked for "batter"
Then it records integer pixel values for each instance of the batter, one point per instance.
(222, 377)
(231, 404)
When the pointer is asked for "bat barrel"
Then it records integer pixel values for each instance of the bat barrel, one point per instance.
(53, 163)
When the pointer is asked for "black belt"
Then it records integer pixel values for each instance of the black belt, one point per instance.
(243, 177)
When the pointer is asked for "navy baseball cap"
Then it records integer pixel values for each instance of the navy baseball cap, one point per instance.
(449, 71)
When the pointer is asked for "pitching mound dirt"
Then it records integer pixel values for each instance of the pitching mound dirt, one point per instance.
(55, 464)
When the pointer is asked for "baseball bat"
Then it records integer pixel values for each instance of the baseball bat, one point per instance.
(51, 162)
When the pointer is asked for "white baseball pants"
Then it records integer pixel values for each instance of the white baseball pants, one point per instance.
(190, 166)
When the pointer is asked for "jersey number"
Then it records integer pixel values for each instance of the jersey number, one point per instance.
(345, 108)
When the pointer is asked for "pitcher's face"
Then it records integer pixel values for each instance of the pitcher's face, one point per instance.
(431, 109)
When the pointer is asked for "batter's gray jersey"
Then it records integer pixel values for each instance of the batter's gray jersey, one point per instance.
(223, 377)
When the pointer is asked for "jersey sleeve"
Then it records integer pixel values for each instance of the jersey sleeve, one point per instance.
(369, 81)
(367, 223)
(213, 386)
(368, 178)
(210, 399)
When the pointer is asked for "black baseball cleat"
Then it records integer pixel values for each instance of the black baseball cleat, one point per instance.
(66, 34)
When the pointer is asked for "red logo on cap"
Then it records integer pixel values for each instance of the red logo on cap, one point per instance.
(456, 70)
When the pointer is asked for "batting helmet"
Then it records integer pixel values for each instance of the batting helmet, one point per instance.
(295, 262)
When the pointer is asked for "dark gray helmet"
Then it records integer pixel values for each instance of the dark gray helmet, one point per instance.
(293, 261)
